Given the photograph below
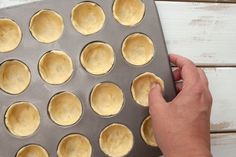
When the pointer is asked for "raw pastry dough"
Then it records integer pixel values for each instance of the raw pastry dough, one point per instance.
(116, 140)
(10, 35)
(74, 145)
(128, 12)
(138, 49)
(141, 87)
(46, 26)
(87, 18)
(65, 108)
(107, 99)
(32, 151)
(14, 76)
(55, 67)
(147, 132)
(97, 58)
(22, 119)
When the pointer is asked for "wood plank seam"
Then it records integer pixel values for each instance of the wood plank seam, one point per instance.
(202, 1)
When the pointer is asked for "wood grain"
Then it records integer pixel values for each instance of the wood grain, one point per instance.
(211, 1)
(8, 3)
(203, 32)
(222, 85)
(223, 145)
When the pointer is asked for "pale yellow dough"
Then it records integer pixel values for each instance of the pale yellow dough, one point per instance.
(128, 12)
(46, 26)
(116, 140)
(147, 132)
(32, 151)
(10, 35)
(14, 76)
(138, 49)
(22, 119)
(87, 18)
(74, 145)
(65, 108)
(107, 99)
(141, 87)
(55, 67)
(97, 58)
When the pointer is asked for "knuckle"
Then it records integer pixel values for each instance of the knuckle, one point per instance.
(203, 74)
(189, 62)
(200, 70)
(199, 88)
(204, 96)
(210, 98)
(206, 82)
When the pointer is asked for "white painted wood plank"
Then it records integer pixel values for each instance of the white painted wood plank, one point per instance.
(203, 32)
(222, 85)
(223, 145)
(8, 3)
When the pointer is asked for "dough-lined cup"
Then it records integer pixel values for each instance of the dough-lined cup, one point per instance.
(138, 49)
(32, 150)
(55, 67)
(128, 12)
(116, 140)
(87, 18)
(22, 119)
(65, 108)
(46, 26)
(10, 35)
(74, 145)
(107, 99)
(147, 132)
(97, 58)
(15, 76)
(141, 87)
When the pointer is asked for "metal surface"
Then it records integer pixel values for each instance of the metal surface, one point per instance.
(81, 83)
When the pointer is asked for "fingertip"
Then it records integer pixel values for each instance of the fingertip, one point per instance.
(172, 54)
(156, 100)
(154, 85)
(156, 95)
(179, 61)
(173, 57)
(155, 89)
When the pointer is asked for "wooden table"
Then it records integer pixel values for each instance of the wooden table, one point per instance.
(205, 33)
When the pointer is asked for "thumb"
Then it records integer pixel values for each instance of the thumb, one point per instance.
(156, 99)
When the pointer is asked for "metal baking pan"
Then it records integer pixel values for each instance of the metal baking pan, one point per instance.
(81, 83)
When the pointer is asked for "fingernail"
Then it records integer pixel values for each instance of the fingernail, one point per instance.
(158, 86)
(154, 85)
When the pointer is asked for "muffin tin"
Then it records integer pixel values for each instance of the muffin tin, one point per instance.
(58, 63)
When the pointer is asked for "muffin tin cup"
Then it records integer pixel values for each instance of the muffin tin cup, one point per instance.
(81, 82)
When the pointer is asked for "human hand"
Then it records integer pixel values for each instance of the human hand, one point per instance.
(182, 126)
